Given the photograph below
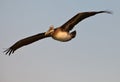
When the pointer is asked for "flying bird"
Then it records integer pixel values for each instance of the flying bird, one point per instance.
(62, 33)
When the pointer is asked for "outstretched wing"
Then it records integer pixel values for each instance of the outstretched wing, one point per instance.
(24, 42)
(79, 17)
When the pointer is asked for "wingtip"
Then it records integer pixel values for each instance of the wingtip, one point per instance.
(8, 51)
(109, 12)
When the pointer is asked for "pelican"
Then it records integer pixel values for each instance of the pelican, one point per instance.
(62, 33)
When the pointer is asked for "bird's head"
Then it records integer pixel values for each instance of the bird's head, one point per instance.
(50, 31)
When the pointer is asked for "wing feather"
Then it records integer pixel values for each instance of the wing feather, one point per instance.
(79, 17)
(24, 42)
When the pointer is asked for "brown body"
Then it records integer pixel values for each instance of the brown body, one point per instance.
(61, 35)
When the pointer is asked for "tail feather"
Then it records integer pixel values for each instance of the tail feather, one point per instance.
(73, 34)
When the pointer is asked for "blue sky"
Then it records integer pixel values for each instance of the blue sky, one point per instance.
(93, 56)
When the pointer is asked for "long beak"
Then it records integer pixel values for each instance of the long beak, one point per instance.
(46, 33)
(49, 32)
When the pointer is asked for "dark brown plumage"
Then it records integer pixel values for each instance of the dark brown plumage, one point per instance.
(61, 33)
(25, 41)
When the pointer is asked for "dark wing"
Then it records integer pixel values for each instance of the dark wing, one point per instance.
(24, 42)
(79, 17)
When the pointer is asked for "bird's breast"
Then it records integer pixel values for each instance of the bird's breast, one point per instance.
(61, 36)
